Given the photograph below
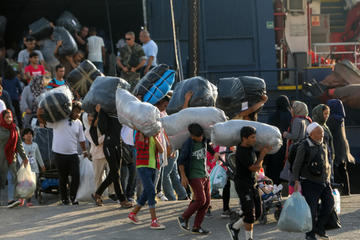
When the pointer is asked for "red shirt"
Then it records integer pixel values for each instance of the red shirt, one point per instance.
(40, 70)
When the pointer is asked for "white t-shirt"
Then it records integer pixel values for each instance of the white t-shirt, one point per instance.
(151, 49)
(127, 135)
(23, 57)
(95, 45)
(2, 106)
(66, 137)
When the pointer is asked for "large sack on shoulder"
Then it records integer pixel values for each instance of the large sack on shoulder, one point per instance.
(144, 85)
(237, 94)
(348, 71)
(228, 134)
(3, 22)
(176, 125)
(47, 50)
(69, 21)
(103, 91)
(204, 94)
(57, 104)
(135, 114)
(69, 46)
(81, 78)
(155, 84)
(41, 28)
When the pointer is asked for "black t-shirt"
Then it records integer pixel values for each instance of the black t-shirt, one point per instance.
(245, 157)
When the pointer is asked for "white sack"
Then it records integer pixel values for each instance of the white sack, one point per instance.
(136, 114)
(176, 125)
(228, 134)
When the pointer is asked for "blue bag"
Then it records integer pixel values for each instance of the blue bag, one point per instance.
(295, 215)
(160, 88)
(218, 177)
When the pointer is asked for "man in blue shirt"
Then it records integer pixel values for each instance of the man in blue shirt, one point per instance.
(59, 78)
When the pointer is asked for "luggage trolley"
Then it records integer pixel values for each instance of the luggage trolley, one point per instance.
(47, 181)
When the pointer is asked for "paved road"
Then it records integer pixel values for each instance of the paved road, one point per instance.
(52, 221)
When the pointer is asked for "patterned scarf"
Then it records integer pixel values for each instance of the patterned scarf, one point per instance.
(36, 88)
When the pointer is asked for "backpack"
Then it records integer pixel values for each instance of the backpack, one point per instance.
(314, 165)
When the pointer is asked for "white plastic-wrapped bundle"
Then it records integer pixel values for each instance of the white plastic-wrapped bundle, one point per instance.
(228, 134)
(135, 114)
(176, 125)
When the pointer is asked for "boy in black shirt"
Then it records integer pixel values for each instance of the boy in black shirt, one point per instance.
(247, 164)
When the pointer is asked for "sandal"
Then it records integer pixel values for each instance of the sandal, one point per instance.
(97, 199)
(126, 204)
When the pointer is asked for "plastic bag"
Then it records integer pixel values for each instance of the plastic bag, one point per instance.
(26, 182)
(81, 78)
(69, 21)
(68, 46)
(204, 94)
(176, 125)
(228, 134)
(41, 28)
(3, 22)
(87, 182)
(57, 104)
(237, 94)
(150, 79)
(218, 177)
(135, 114)
(102, 92)
(337, 199)
(295, 215)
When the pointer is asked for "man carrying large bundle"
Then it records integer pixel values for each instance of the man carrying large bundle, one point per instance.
(247, 164)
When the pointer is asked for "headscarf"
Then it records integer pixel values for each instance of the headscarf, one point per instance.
(10, 146)
(337, 110)
(283, 104)
(281, 118)
(300, 109)
(36, 88)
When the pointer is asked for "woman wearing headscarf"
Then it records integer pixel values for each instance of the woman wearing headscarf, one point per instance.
(296, 132)
(320, 114)
(28, 103)
(343, 156)
(10, 144)
(281, 118)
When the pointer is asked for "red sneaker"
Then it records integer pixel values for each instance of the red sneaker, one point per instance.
(22, 201)
(156, 225)
(29, 204)
(133, 218)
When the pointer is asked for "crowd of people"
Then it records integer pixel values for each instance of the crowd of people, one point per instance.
(147, 167)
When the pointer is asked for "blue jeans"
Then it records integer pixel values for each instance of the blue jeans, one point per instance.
(11, 177)
(147, 176)
(171, 180)
(99, 65)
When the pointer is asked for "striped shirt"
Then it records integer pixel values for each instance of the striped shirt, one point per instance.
(54, 83)
(147, 155)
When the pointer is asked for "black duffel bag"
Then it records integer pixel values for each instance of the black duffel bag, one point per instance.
(81, 78)
(41, 28)
(56, 103)
(204, 94)
(69, 46)
(102, 92)
(69, 21)
(237, 94)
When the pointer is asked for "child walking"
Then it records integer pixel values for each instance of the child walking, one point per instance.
(34, 156)
(147, 161)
